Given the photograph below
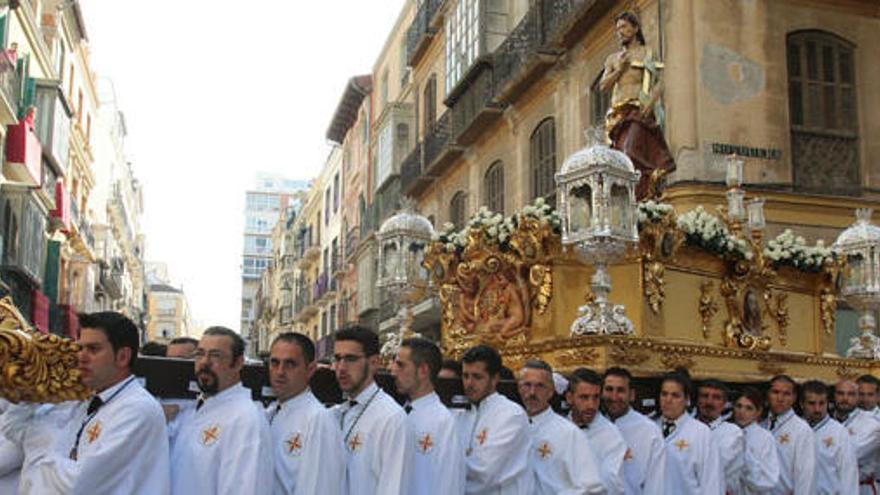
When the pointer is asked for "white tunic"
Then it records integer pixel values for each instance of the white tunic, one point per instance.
(495, 434)
(760, 468)
(306, 446)
(609, 448)
(797, 454)
(837, 471)
(692, 462)
(11, 458)
(728, 438)
(224, 447)
(864, 431)
(438, 467)
(644, 464)
(122, 448)
(561, 457)
(378, 444)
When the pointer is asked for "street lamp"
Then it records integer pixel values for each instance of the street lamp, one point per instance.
(597, 205)
(860, 244)
(403, 239)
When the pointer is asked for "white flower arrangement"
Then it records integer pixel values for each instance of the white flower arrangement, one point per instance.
(494, 226)
(788, 249)
(652, 211)
(702, 229)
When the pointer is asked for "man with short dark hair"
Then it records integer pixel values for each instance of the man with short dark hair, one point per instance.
(375, 435)
(117, 442)
(450, 368)
(583, 395)
(837, 469)
(495, 430)
(225, 428)
(794, 439)
(644, 463)
(869, 394)
(560, 454)
(305, 436)
(864, 431)
(711, 399)
(182, 348)
(154, 349)
(438, 467)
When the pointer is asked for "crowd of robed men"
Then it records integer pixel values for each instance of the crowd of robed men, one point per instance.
(122, 441)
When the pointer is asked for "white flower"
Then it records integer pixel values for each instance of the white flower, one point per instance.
(492, 231)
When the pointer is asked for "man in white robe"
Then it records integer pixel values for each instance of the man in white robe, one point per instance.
(495, 431)
(113, 443)
(606, 442)
(223, 445)
(693, 465)
(438, 466)
(560, 455)
(375, 436)
(837, 471)
(794, 439)
(760, 469)
(869, 394)
(864, 431)
(711, 399)
(644, 463)
(306, 442)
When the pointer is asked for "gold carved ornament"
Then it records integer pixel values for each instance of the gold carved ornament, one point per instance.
(489, 293)
(659, 240)
(746, 296)
(35, 367)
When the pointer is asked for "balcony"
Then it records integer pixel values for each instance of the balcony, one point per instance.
(305, 307)
(565, 22)
(84, 241)
(369, 221)
(352, 241)
(307, 250)
(338, 267)
(53, 124)
(421, 31)
(9, 86)
(522, 58)
(25, 247)
(112, 278)
(413, 182)
(440, 147)
(24, 154)
(475, 108)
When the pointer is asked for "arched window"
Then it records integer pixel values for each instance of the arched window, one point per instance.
(600, 101)
(822, 113)
(494, 187)
(457, 209)
(542, 158)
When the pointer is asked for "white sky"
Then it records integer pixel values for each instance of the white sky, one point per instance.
(214, 91)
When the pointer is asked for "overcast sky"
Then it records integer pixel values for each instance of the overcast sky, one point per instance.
(214, 91)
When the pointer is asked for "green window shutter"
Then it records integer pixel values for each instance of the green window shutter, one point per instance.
(50, 281)
(27, 92)
(4, 21)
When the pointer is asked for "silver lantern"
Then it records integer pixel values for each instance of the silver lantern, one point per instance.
(860, 285)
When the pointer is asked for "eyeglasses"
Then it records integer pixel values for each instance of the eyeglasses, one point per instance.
(347, 358)
(212, 356)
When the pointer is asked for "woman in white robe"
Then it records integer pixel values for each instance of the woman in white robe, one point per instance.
(760, 472)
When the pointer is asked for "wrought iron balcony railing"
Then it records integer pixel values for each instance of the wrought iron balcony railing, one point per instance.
(420, 32)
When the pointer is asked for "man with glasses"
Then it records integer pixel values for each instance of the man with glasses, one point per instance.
(305, 435)
(375, 436)
(223, 444)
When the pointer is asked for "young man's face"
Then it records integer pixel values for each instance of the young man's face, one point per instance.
(846, 396)
(289, 372)
(710, 403)
(745, 412)
(535, 389)
(780, 397)
(99, 366)
(815, 407)
(673, 400)
(354, 369)
(477, 381)
(616, 395)
(216, 368)
(868, 396)
(406, 375)
(584, 402)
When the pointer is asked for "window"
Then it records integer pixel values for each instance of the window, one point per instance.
(402, 142)
(385, 154)
(262, 202)
(404, 69)
(257, 245)
(822, 113)
(457, 209)
(384, 89)
(600, 101)
(542, 158)
(494, 184)
(327, 206)
(430, 115)
(462, 40)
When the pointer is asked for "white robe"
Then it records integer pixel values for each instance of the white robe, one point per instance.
(11, 458)
(609, 447)
(797, 454)
(728, 438)
(864, 431)
(377, 442)
(438, 467)
(561, 457)
(693, 465)
(306, 447)
(222, 448)
(644, 464)
(122, 449)
(760, 467)
(495, 434)
(837, 471)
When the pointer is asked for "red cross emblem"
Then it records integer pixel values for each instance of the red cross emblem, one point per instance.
(628, 456)
(426, 443)
(784, 439)
(294, 445)
(93, 432)
(829, 442)
(544, 450)
(681, 444)
(481, 437)
(210, 434)
(355, 443)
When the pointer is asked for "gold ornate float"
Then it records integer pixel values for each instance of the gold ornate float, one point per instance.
(35, 367)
